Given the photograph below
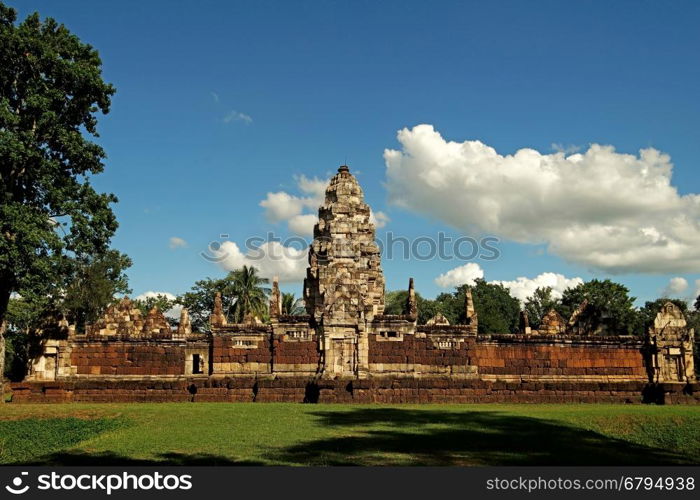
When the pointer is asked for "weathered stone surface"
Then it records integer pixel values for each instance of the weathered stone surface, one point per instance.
(344, 282)
(552, 324)
(217, 318)
(671, 346)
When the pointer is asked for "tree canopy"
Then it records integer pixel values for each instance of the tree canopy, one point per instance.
(51, 217)
(539, 304)
(610, 305)
(242, 292)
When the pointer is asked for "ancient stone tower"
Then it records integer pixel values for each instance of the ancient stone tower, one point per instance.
(344, 285)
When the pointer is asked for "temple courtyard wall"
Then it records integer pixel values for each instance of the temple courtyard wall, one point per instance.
(258, 366)
(383, 390)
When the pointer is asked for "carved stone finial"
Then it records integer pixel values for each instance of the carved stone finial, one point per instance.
(471, 318)
(552, 324)
(184, 328)
(469, 304)
(217, 317)
(438, 320)
(411, 308)
(275, 299)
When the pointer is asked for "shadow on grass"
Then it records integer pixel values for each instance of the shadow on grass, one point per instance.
(109, 458)
(426, 437)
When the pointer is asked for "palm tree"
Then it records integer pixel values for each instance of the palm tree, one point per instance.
(248, 293)
(291, 305)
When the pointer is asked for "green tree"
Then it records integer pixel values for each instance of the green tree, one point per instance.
(93, 286)
(451, 305)
(395, 303)
(291, 305)
(249, 294)
(160, 301)
(498, 311)
(610, 305)
(25, 318)
(242, 292)
(539, 304)
(51, 89)
(199, 301)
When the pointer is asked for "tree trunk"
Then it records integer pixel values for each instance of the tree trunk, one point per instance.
(4, 301)
(2, 362)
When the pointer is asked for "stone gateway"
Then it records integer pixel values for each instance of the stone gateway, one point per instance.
(347, 349)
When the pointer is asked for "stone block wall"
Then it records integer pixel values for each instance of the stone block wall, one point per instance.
(296, 356)
(242, 354)
(560, 360)
(423, 355)
(386, 391)
(110, 358)
(509, 356)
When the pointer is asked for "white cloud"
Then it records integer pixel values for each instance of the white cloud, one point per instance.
(300, 212)
(175, 242)
(379, 219)
(234, 116)
(281, 206)
(462, 275)
(270, 259)
(173, 312)
(606, 210)
(303, 225)
(315, 187)
(521, 287)
(676, 286)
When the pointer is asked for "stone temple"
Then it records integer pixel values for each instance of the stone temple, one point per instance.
(347, 349)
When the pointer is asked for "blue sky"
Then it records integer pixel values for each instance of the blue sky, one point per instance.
(220, 103)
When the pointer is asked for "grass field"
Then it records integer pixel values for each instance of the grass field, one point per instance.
(296, 434)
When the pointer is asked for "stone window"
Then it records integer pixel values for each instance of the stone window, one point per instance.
(245, 343)
(197, 364)
(390, 335)
(298, 334)
(446, 344)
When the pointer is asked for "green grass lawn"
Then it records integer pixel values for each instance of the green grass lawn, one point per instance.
(296, 434)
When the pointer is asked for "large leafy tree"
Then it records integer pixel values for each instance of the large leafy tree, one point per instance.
(242, 292)
(159, 301)
(395, 303)
(51, 89)
(539, 304)
(199, 301)
(93, 285)
(610, 305)
(497, 310)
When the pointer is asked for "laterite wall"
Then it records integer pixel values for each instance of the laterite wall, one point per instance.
(110, 358)
(300, 390)
(516, 355)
